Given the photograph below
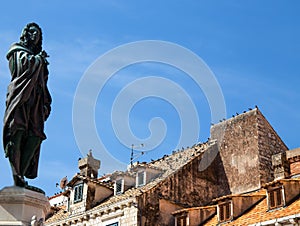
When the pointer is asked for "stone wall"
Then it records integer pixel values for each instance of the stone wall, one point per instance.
(269, 143)
(188, 187)
(246, 144)
(165, 208)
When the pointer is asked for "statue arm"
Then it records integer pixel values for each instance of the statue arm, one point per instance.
(30, 64)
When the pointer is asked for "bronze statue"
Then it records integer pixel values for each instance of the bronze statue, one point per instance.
(27, 104)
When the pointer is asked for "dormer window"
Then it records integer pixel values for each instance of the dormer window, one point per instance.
(123, 182)
(224, 211)
(275, 198)
(144, 173)
(113, 224)
(119, 186)
(181, 221)
(78, 193)
(140, 179)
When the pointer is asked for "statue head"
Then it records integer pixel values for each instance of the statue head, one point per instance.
(31, 37)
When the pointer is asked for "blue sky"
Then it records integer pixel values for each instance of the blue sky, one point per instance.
(252, 47)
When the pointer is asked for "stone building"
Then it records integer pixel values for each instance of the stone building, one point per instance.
(233, 171)
(275, 203)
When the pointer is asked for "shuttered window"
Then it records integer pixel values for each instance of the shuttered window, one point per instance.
(181, 221)
(119, 184)
(225, 212)
(275, 198)
(78, 193)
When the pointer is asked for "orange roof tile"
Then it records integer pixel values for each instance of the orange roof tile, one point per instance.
(260, 213)
(194, 208)
(281, 180)
(252, 194)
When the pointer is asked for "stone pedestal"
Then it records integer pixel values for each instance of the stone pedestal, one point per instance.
(18, 206)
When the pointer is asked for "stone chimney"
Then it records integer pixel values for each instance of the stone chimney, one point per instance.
(89, 166)
(280, 166)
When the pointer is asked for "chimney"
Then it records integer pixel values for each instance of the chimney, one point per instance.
(280, 165)
(89, 166)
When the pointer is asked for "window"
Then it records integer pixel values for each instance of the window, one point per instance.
(181, 221)
(113, 224)
(225, 211)
(118, 187)
(275, 198)
(78, 193)
(140, 178)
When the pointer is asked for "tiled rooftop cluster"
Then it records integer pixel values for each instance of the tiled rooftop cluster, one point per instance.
(260, 214)
(167, 165)
(252, 179)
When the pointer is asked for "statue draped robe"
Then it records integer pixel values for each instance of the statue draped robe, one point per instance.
(27, 104)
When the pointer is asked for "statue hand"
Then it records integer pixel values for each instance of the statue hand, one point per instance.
(44, 55)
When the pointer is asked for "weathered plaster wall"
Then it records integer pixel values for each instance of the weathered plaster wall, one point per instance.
(187, 186)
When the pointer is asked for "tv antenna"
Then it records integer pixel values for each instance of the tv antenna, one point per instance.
(133, 155)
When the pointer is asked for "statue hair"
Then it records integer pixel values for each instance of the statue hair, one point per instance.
(24, 39)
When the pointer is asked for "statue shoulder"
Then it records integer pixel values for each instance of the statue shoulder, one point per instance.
(17, 47)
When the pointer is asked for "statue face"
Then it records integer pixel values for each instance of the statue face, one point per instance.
(34, 34)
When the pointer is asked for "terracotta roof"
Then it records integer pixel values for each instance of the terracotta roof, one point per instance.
(78, 177)
(252, 194)
(55, 196)
(280, 181)
(261, 193)
(169, 164)
(122, 173)
(260, 213)
(59, 215)
(194, 208)
(104, 177)
(144, 165)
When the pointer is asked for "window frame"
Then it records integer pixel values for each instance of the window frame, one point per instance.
(225, 211)
(275, 197)
(181, 220)
(113, 224)
(120, 185)
(78, 193)
(143, 173)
